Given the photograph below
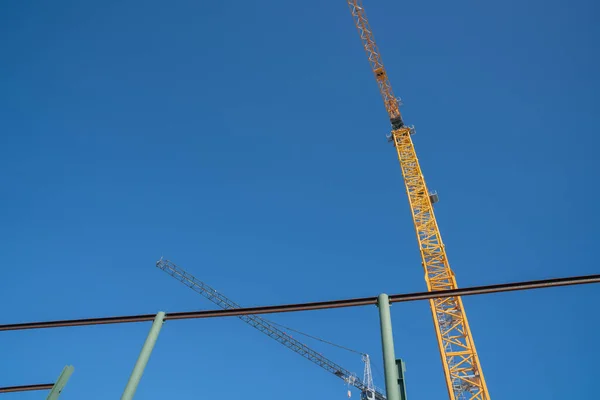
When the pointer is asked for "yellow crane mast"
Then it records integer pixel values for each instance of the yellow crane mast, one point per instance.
(462, 370)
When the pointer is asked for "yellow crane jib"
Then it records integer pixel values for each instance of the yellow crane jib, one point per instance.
(462, 370)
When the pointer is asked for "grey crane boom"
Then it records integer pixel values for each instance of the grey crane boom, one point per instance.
(268, 329)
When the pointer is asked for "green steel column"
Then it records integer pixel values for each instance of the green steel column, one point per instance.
(61, 382)
(401, 382)
(387, 341)
(142, 360)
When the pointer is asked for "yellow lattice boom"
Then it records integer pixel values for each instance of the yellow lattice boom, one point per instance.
(464, 377)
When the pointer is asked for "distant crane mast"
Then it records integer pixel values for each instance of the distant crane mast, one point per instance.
(367, 389)
(368, 377)
(464, 377)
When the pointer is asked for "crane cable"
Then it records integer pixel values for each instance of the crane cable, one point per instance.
(315, 338)
(379, 374)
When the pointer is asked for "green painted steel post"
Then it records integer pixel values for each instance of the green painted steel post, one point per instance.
(138, 370)
(61, 382)
(387, 342)
(401, 382)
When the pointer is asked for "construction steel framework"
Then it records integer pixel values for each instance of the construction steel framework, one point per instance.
(462, 370)
(26, 388)
(318, 305)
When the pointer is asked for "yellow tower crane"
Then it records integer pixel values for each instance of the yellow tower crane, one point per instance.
(462, 370)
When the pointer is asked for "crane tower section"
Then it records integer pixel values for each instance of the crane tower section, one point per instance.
(462, 370)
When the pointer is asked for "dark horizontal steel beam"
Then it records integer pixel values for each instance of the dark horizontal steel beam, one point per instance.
(26, 388)
(320, 305)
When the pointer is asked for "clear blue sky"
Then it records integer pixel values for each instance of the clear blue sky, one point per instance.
(245, 141)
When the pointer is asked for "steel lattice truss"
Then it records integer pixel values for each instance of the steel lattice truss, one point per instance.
(464, 378)
(265, 327)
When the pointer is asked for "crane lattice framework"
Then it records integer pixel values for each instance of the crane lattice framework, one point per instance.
(462, 370)
(367, 389)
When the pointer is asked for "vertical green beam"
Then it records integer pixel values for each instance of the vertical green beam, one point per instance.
(401, 382)
(142, 360)
(387, 342)
(61, 382)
